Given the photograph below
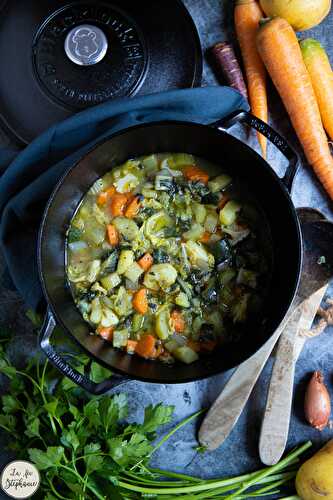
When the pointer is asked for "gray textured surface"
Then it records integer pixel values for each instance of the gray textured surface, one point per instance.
(240, 452)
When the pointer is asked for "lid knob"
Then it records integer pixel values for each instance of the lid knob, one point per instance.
(86, 44)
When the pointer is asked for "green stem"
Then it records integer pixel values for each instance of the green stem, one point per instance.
(85, 479)
(44, 398)
(275, 468)
(37, 368)
(135, 479)
(176, 475)
(58, 419)
(80, 478)
(273, 481)
(82, 457)
(182, 489)
(167, 436)
(176, 428)
(6, 429)
(30, 378)
(144, 468)
(54, 491)
(223, 485)
(43, 375)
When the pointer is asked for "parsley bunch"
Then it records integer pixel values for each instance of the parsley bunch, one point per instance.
(85, 449)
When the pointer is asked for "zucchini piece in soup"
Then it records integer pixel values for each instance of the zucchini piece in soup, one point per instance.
(219, 183)
(185, 354)
(163, 324)
(229, 212)
(126, 259)
(126, 227)
(110, 281)
(160, 276)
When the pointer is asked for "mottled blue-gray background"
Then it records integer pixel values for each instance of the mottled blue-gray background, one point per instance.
(239, 453)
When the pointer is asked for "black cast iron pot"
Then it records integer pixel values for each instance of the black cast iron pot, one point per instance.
(210, 142)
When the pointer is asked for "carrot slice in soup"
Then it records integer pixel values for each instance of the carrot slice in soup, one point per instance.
(178, 321)
(195, 174)
(118, 204)
(113, 235)
(205, 237)
(140, 301)
(105, 333)
(146, 346)
(133, 207)
(146, 261)
(105, 195)
(131, 346)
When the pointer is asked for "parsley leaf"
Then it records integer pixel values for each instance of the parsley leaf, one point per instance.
(35, 318)
(32, 428)
(111, 410)
(69, 438)
(10, 404)
(91, 412)
(155, 416)
(98, 373)
(7, 369)
(92, 460)
(106, 488)
(8, 422)
(127, 453)
(46, 459)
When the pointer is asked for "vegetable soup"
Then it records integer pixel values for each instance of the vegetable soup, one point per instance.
(164, 257)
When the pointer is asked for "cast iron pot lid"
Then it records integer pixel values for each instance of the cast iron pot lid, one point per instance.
(58, 58)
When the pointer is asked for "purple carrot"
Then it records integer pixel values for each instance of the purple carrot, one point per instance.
(227, 64)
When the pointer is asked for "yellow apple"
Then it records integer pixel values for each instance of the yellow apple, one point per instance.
(301, 14)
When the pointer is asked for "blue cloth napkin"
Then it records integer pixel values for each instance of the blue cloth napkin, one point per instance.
(28, 178)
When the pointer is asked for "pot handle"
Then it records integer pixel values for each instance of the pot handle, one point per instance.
(262, 127)
(59, 362)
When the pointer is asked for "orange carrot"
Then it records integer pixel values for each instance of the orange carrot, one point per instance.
(208, 345)
(106, 333)
(205, 346)
(140, 301)
(279, 49)
(131, 346)
(146, 347)
(133, 207)
(146, 261)
(321, 74)
(205, 237)
(195, 346)
(194, 173)
(118, 204)
(223, 201)
(113, 235)
(178, 321)
(129, 195)
(102, 198)
(105, 195)
(247, 16)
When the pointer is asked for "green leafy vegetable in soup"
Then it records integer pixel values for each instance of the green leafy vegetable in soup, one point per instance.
(162, 259)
